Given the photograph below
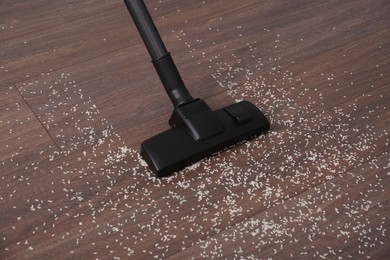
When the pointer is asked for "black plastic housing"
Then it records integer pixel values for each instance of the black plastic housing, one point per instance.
(176, 148)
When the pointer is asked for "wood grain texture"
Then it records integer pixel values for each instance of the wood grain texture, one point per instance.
(79, 95)
(312, 224)
(16, 17)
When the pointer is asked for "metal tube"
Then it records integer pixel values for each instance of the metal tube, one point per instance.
(162, 60)
(146, 28)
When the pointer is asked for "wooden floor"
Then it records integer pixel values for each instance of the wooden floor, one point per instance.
(78, 95)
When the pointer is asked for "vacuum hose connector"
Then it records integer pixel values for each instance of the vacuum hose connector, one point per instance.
(162, 60)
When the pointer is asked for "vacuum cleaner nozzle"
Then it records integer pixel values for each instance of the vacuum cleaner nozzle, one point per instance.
(181, 146)
(196, 131)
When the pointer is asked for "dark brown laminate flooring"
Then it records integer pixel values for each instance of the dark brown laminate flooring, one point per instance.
(78, 95)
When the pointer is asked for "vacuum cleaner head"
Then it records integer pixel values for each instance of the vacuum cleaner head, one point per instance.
(184, 144)
(196, 131)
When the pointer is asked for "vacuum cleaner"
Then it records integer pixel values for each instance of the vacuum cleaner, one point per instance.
(196, 131)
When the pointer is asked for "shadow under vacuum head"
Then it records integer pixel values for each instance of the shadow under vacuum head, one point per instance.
(196, 131)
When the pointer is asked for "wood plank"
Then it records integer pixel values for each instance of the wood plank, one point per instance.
(72, 10)
(343, 217)
(16, 17)
(24, 145)
(63, 188)
(282, 33)
(64, 41)
(93, 35)
(64, 45)
(23, 139)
